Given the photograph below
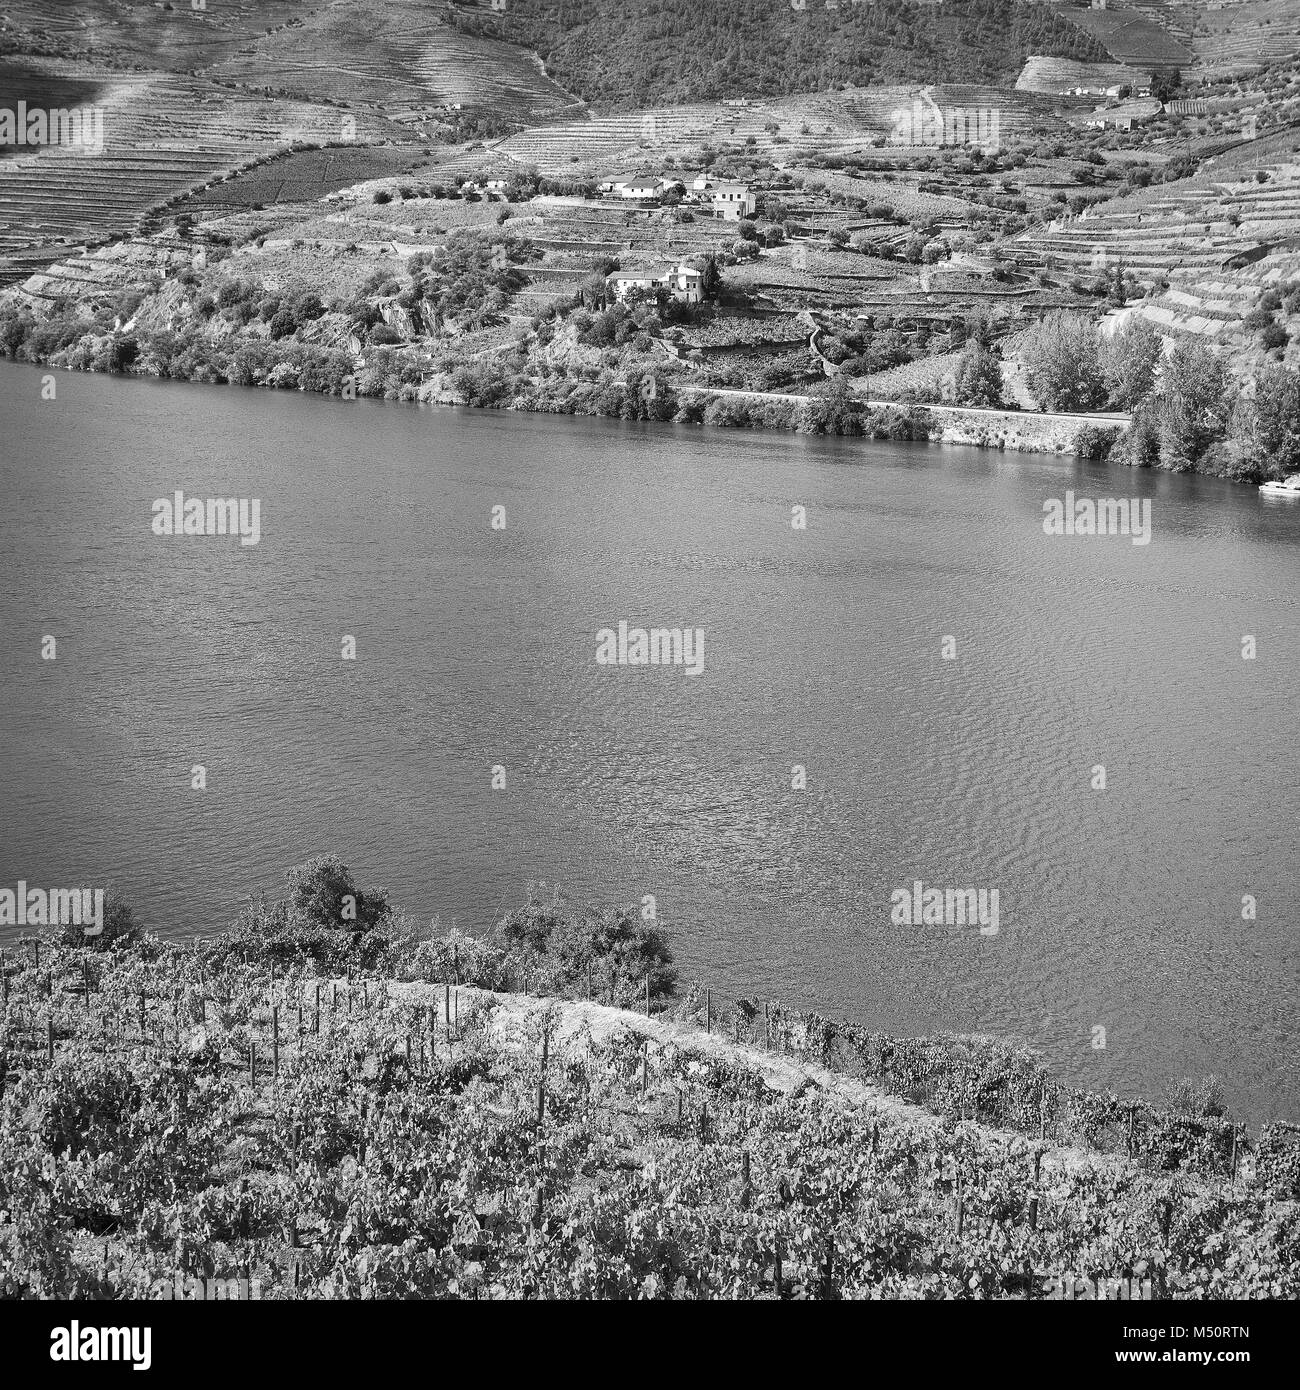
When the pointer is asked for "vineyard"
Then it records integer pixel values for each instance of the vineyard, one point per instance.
(164, 136)
(383, 1128)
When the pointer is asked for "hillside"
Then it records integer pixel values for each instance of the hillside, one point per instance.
(617, 55)
(386, 1132)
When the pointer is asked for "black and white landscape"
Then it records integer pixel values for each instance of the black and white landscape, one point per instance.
(649, 652)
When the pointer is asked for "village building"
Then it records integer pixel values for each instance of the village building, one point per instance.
(683, 282)
(732, 201)
(637, 188)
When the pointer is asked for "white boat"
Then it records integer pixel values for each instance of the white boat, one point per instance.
(1289, 488)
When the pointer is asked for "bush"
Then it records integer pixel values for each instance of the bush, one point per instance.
(562, 944)
(323, 917)
(120, 927)
(1096, 441)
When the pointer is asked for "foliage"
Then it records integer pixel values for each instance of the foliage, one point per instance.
(979, 377)
(1062, 363)
(1129, 358)
(400, 1153)
(665, 51)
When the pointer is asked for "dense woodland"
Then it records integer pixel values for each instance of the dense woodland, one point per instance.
(623, 53)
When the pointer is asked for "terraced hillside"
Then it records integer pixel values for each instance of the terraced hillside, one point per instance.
(1235, 34)
(163, 135)
(781, 131)
(405, 53)
(1206, 246)
(1056, 75)
(121, 33)
(1131, 37)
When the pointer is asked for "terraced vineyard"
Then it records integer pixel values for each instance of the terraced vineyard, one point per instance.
(1056, 75)
(164, 135)
(780, 132)
(1131, 37)
(1240, 33)
(300, 177)
(401, 54)
(121, 34)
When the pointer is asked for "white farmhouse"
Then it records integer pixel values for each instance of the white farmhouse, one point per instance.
(732, 201)
(683, 282)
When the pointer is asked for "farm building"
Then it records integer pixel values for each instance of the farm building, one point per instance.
(683, 282)
(732, 200)
(637, 188)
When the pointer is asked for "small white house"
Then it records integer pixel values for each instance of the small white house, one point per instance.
(637, 188)
(732, 201)
(497, 185)
(683, 282)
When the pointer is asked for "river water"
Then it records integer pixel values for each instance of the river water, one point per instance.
(1119, 909)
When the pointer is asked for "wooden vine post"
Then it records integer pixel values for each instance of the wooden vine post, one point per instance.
(446, 1007)
(541, 1080)
(647, 996)
(49, 1039)
(708, 1011)
(275, 1040)
(744, 1178)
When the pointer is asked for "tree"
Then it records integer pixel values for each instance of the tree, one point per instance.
(979, 377)
(120, 927)
(322, 894)
(1266, 426)
(1062, 362)
(1192, 405)
(836, 412)
(1129, 358)
(711, 276)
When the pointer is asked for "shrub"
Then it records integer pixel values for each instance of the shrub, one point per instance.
(563, 943)
(1096, 441)
(120, 927)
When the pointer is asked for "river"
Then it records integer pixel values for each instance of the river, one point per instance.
(1119, 909)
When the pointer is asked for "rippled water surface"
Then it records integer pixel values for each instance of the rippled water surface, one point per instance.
(1120, 908)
